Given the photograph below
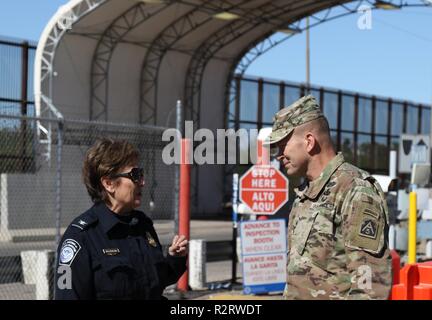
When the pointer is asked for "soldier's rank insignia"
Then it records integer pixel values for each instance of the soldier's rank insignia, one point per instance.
(368, 229)
(150, 239)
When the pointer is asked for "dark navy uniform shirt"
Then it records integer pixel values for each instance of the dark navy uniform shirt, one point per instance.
(106, 256)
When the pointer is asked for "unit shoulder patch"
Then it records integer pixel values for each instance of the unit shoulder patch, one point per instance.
(368, 229)
(365, 218)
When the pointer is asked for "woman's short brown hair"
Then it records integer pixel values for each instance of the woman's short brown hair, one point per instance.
(104, 158)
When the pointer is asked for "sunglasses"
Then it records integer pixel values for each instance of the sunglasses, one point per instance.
(275, 151)
(136, 175)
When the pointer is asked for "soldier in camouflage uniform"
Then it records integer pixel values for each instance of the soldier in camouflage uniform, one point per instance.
(338, 226)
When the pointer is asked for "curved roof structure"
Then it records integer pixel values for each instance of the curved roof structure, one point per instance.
(131, 60)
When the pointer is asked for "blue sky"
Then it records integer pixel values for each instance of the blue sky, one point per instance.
(393, 59)
(26, 19)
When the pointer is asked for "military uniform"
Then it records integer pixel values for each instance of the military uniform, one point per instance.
(106, 256)
(338, 227)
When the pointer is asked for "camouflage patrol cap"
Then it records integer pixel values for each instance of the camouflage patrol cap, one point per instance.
(285, 120)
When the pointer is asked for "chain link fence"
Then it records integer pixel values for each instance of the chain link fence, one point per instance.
(41, 192)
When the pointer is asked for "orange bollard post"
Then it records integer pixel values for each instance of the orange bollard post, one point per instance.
(184, 202)
(423, 291)
(395, 266)
(409, 277)
(395, 270)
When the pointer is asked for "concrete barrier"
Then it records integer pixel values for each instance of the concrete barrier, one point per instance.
(37, 267)
(197, 264)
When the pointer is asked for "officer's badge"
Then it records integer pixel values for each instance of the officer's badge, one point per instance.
(368, 229)
(151, 240)
(69, 251)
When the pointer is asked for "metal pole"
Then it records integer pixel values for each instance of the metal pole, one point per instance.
(24, 84)
(234, 233)
(412, 228)
(264, 160)
(392, 165)
(58, 192)
(263, 153)
(430, 128)
(307, 56)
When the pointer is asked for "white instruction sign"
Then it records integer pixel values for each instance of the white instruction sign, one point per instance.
(264, 255)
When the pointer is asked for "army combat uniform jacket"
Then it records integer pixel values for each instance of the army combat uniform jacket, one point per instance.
(337, 237)
(105, 256)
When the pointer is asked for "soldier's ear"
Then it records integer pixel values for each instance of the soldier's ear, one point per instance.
(310, 141)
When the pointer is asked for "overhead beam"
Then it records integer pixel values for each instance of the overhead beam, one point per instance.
(165, 42)
(116, 31)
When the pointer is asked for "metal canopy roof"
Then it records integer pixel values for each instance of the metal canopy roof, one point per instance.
(129, 55)
(131, 60)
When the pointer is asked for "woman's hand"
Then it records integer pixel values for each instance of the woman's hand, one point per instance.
(179, 246)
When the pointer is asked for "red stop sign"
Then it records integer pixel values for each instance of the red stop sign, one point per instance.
(264, 189)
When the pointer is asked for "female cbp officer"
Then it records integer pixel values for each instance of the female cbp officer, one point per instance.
(112, 251)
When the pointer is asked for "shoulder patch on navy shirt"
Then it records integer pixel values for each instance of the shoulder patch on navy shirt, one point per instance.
(68, 252)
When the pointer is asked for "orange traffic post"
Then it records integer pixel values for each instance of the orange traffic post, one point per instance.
(423, 290)
(184, 201)
(409, 277)
(396, 266)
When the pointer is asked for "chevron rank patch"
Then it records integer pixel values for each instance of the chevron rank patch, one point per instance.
(368, 229)
(69, 251)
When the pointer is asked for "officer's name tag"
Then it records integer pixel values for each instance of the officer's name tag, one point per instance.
(111, 251)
